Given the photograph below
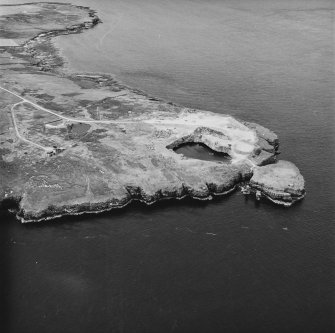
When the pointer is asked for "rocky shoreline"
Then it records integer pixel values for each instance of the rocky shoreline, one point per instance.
(103, 207)
(117, 143)
(41, 49)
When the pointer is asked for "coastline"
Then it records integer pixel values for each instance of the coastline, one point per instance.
(258, 148)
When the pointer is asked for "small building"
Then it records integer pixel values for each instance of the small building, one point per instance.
(54, 151)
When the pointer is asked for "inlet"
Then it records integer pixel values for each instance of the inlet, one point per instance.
(201, 152)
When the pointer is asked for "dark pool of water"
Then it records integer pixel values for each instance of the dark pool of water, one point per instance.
(229, 265)
(201, 152)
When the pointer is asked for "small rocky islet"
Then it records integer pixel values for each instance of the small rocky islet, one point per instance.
(74, 143)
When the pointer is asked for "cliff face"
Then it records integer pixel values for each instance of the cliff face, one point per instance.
(81, 143)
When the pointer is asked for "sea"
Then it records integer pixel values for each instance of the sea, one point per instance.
(228, 265)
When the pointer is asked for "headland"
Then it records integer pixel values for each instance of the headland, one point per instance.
(74, 143)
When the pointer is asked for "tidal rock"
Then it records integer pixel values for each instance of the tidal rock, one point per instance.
(281, 182)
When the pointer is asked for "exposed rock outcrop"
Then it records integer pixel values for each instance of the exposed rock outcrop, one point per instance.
(281, 182)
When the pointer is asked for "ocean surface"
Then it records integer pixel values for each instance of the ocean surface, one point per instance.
(230, 265)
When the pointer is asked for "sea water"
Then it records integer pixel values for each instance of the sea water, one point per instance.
(230, 265)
